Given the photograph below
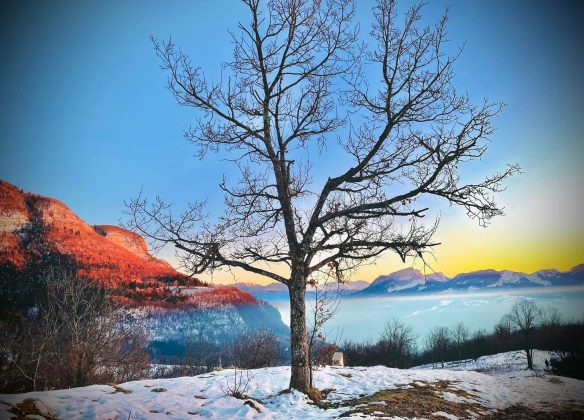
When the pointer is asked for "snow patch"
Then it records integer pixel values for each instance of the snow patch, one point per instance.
(446, 415)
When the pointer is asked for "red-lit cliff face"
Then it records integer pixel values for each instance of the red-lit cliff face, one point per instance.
(31, 224)
(107, 254)
(14, 217)
(126, 239)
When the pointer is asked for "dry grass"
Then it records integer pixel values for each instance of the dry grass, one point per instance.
(28, 408)
(252, 405)
(324, 392)
(520, 412)
(315, 395)
(422, 399)
(418, 400)
(118, 388)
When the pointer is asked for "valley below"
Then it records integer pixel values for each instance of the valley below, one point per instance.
(363, 318)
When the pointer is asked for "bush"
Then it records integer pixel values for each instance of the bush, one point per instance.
(571, 365)
(396, 347)
(253, 349)
(74, 338)
(397, 343)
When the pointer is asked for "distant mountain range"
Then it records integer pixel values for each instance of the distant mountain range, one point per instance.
(269, 290)
(411, 280)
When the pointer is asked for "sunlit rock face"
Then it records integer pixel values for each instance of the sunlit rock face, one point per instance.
(13, 212)
(126, 239)
(13, 217)
(33, 226)
(108, 254)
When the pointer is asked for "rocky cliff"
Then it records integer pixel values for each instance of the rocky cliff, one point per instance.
(32, 225)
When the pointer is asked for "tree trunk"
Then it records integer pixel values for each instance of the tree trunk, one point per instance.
(310, 357)
(529, 353)
(310, 368)
(300, 377)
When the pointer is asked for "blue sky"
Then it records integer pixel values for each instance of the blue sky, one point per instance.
(85, 116)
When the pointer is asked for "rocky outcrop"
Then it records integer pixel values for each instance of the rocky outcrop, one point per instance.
(109, 254)
(13, 217)
(128, 240)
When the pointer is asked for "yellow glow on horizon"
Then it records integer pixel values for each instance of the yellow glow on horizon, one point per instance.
(514, 254)
(460, 254)
(543, 228)
(509, 244)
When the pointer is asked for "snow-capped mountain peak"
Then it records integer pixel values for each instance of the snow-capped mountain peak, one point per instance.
(411, 280)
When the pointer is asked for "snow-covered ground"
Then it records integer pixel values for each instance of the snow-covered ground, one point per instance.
(187, 397)
(513, 361)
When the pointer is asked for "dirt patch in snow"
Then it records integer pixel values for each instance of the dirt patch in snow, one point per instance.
(415, 400)
(31, 407)
(521, 412)
(118, 388)
(433, 400)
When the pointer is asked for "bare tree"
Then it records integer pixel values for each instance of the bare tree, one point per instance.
(438, 342)
(398, 343)
(551, 317)
(327, 298)
(254, 349)
(460, 335)
(200, 354)
(523, 318)
(26, 350)
(76, 337)
(503, 334)
(94, 344)
(296, 67)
